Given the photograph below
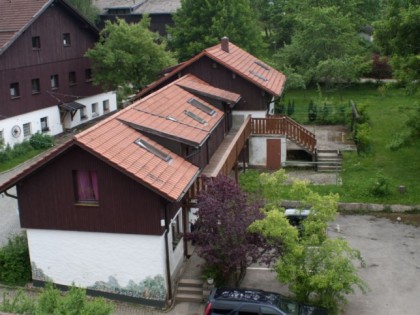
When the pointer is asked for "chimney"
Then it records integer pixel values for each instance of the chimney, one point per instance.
(225, 44)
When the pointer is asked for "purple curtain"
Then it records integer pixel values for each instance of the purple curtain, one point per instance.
(87, 186)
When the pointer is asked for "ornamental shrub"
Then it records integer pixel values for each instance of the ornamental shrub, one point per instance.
(41, 141)
(15, 266)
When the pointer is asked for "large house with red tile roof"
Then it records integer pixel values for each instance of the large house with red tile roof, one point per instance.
(46, 82)
(106, 210)
(229, 67)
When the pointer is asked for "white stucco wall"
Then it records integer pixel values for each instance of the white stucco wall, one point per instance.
(258, 150)
(242, 114)
(34, 119)
(117, 263)
(53, 117)
(88, 101)
(176, 255)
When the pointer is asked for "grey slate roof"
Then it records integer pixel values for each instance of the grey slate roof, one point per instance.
(140, 6)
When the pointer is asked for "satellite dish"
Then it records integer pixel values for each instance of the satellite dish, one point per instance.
(16, 131)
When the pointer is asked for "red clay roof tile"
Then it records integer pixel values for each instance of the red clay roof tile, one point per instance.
(238, 61)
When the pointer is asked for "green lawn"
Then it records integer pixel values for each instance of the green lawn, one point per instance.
(388, 112)
(4, 166)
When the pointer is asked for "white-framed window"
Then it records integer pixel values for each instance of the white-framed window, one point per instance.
(83, 114)
(95, 109)
(26, 130)
(105, 106)
(1, 139)
(44, 124)
(14, 90)
(54, 81)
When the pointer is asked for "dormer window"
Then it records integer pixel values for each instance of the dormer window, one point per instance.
(36, 42)
(66, 39)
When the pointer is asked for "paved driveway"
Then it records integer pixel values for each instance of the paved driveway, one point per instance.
(9, 218)
(392, 255)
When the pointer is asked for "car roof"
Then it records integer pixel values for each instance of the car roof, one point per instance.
(247, 295)
(289, 212)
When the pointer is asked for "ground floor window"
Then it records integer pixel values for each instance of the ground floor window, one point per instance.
(44, 124)
(27, 129)
(86, 186)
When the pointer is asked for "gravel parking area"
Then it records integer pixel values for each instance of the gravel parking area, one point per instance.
(391, 251)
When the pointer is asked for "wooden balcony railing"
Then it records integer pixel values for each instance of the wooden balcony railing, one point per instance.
(224, 159)
(283, 125)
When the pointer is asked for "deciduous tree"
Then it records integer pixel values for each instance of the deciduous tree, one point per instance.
(323, 47)
(222, 238)
(317, 269)
(86, 7)
(397, 34)
(202, 23)
(128, 55)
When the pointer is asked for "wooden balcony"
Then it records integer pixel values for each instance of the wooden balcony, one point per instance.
(283, 125)
(225, 158)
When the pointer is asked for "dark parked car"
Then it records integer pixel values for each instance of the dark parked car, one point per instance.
(229, 301)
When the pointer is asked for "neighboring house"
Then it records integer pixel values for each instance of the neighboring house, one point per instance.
(132, 11)
(106, 210)
(46, 82)
(227, 66)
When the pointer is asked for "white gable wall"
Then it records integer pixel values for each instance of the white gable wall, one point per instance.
(117, 263)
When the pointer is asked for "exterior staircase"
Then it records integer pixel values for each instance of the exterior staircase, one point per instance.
(189, 290)
(329, 160)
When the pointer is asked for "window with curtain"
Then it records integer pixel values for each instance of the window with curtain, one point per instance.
(86, 186)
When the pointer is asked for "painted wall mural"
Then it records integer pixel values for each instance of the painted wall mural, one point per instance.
(150, 288)
(38, 273)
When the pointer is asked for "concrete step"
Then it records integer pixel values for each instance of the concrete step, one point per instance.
(190, 290)
(190, 283)
(184, 297)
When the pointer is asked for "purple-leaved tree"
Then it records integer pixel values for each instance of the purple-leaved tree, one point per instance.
(222, 238)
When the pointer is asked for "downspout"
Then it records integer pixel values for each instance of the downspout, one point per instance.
(10, 195)
(168, 265)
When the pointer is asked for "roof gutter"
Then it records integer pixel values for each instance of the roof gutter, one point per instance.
(10, 195)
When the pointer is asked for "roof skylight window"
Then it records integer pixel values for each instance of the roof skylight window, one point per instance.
(195, 117)
(264, 66)
(152, 149)
(204, 108)
(258, 76)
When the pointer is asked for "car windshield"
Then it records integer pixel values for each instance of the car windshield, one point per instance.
(287, 306)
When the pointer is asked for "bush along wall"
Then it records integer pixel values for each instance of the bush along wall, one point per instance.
(15, 266)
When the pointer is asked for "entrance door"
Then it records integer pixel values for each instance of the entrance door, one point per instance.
(273, 154)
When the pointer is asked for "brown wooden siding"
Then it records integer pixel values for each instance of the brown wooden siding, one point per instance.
(47, 199)
(20, 63)
(216, 138)
(252, 97)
